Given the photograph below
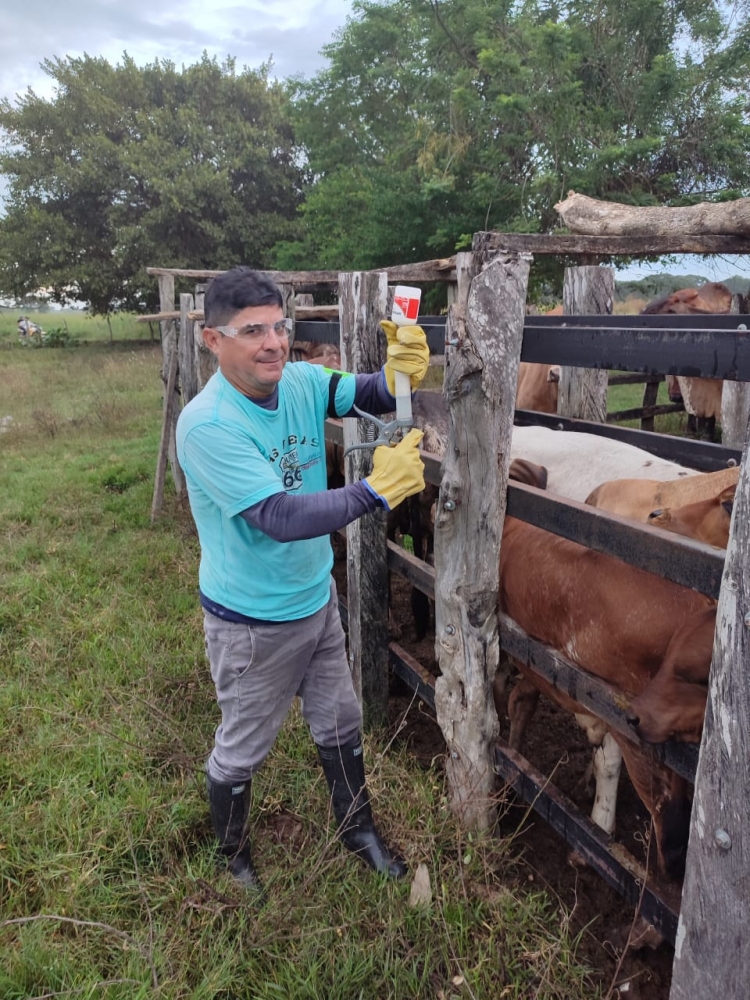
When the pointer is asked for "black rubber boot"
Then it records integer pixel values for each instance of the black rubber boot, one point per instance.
(344, 769)
(229, 806)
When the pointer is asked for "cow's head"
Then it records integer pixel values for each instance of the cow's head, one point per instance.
(707, 521)
(673, 704)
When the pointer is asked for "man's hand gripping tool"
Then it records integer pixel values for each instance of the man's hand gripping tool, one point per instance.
(405, 311)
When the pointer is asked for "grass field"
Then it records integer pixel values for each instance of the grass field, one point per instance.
(108, 884)
(77, 325)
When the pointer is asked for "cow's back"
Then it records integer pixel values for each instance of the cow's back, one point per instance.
(577, 462)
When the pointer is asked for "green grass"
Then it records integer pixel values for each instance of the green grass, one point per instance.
(108, 884)
(80, 326)
(628, 397)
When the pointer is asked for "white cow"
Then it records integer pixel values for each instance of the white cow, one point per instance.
(578, 462)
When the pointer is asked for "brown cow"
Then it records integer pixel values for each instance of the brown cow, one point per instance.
(707, 521)
(537, 387)
(672, 706)
(637, 498)
(538, 384)
(701, 396)
(325, 354)
(621, 624)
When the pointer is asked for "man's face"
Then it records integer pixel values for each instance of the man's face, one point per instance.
(253, 366)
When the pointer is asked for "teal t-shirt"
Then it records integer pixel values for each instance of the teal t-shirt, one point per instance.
(234, 454)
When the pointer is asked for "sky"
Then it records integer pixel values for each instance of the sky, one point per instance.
(291, 32)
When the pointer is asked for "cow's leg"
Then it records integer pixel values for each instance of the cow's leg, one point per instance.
(665, 795)
(521, 707)
(500, 686)
(607, 762)
(420, 611)
(709, 429)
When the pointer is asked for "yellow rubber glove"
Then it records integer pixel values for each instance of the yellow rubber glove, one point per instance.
(397, 473)
(407, 352)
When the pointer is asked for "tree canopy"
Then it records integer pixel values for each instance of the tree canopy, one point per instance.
(433, 119)
(132, 166)
(439, 118)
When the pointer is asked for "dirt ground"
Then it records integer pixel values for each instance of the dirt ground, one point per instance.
(553, 743)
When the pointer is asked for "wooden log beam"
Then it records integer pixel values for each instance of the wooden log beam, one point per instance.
(486, 323)
(440, 269)
(712, 957)
(362, 303)
(302, 312)
(608, 246)
(593, 217)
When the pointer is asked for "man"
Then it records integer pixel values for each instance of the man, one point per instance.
(252, 447)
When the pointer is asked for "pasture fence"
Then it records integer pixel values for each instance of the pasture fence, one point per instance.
(486, 334)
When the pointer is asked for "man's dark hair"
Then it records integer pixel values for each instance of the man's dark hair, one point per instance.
(235, 290)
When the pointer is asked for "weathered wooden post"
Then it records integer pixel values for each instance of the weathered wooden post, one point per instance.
(169, 344)
(362, 303)
(288, 300)
(157, 501)
(186, 351)
(735, 396)
(205, 360)
(712, 956)
(582, 392)
(486, 323)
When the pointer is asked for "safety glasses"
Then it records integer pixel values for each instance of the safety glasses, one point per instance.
(256, 333)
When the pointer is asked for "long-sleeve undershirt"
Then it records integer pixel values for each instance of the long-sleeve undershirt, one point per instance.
(287, 517)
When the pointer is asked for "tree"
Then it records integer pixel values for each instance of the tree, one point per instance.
(128, 167)
(438, 118)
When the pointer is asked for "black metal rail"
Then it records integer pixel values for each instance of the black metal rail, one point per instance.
(659, 905)
(705, 346)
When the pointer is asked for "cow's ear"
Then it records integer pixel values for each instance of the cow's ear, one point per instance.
(529, 473)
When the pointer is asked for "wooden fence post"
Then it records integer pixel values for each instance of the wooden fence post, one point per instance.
(582, 392)
(735, 396)
(205, 360)
(169, 344)
(712, 957)
(186, 351)
(362, 303)
(157, 501)
(480, 392)
(288, 300)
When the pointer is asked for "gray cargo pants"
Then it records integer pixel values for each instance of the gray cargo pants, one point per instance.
(259, 669)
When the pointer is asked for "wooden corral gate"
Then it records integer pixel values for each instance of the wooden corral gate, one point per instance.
(485, 338)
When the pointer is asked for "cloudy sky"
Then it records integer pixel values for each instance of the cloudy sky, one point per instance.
(291, 32)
